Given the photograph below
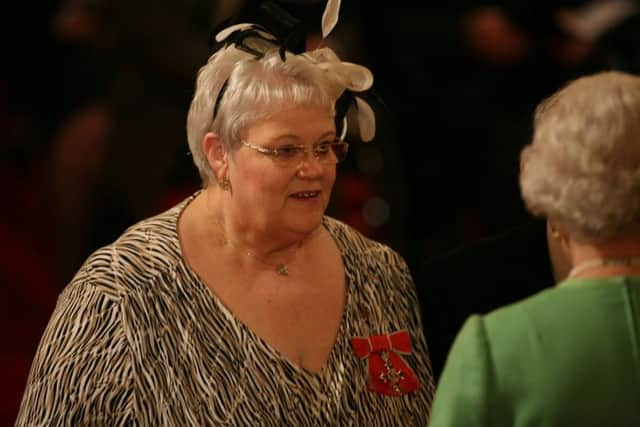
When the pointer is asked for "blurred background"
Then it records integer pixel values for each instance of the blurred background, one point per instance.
(94, 96)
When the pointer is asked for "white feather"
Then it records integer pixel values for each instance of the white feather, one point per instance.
(330, 17)
(359, 77)
(323, 54)
(366, 120)
(227, 31)
(345, 125)
(243, 26)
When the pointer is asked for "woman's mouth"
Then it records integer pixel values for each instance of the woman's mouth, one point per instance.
(302, 195)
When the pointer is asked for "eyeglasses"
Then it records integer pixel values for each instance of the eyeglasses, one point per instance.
(328, 153)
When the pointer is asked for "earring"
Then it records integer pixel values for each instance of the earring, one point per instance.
(555, 233)
(225, 184)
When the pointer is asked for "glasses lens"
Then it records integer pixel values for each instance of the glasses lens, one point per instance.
(340, 150)
(293, 156)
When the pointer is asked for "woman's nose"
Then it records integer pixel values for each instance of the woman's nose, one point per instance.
(311, 166)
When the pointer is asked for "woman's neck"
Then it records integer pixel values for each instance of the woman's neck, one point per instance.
(218, 217)
(614, 257)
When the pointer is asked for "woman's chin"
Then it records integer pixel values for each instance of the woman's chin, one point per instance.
(306, 225)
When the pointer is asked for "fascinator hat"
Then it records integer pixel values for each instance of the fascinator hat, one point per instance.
(282, 33)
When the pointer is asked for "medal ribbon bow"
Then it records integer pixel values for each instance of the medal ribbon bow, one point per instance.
(389, 373)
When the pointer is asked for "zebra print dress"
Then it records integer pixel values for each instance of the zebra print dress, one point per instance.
(138, 339)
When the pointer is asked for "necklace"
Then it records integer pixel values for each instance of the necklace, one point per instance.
(281, 268)
(630, 261)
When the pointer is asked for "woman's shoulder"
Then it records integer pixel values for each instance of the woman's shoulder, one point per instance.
(552, 302)
(546, 313)
(145, 250)
(515, 315)
(372, 264)
(572, 304)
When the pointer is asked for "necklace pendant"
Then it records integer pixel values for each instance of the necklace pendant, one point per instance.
(282, 270)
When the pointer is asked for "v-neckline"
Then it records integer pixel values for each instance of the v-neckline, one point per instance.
(273, 352)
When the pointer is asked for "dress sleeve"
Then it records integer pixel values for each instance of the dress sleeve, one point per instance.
(81, 374)
(466, 388)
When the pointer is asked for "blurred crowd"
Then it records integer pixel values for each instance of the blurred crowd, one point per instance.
(93, 102)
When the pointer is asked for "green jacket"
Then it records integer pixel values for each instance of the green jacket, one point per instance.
(567, 356)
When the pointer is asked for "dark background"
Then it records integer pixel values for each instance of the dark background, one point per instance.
(93, 101)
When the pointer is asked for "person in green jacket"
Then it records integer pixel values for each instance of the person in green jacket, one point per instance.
(569, 355)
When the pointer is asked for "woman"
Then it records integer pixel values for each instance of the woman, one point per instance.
(244, 304)
(567, 356)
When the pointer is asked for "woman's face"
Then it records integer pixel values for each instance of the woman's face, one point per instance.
(274, 198)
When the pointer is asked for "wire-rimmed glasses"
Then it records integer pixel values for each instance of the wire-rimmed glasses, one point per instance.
(328, 153)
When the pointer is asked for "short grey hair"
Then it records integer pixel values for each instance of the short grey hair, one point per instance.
(256, 87)
(582, 168)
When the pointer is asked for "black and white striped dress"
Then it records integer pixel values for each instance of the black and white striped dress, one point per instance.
(138, 339)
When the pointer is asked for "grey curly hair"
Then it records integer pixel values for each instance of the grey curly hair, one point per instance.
(582, 169)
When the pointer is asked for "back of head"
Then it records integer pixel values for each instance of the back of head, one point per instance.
(582, 168)
(252, 76)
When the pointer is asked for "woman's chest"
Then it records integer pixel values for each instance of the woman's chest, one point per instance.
(298, 318)
(232, 377)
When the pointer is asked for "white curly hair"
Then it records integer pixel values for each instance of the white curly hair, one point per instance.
(582, 169)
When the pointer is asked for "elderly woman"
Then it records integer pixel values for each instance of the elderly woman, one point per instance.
(567, 356)
(244, 304)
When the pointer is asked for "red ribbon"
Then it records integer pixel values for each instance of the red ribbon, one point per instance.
(389, 373)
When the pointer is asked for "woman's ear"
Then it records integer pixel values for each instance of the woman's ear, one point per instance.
(216, 154)
(559, 251)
